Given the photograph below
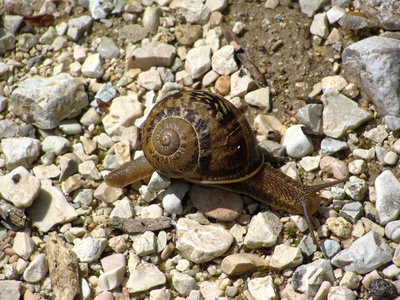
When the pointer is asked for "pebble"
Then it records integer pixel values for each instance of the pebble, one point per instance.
(160, 294)
(223, 84)
(88, 170)
(19, 187)
(21, 151)
(172, 199)
(310, 116)
(264, 124)
(107, 193)
(364, 153)
(153, 54)
(10, 289)
(341, 292)
(92, 66)
(211, 77)
(330, 146)
(332, 165)
(296, 142)
(307, 246)
(114, 267)
(123, 111)
(201, 243)
(23, 245)
(241, 83)
(357, 166)
(242, 263)
(263, 231)
(308, 278)
(339, 227)
(377, 134)
(107, 49)
(350, 280)
(376, 252)
(223, 60)
(215, 203)
(198, 61)
(262, 288)
(260, 98)
(356, 188)
(194, 11)
(336, 82)
(44, 102)
(56, 144)
(351, 211)
(387, 188)
(143, 275)
(285, 257)
(310, 163)
(310, 7)
(145, 244)
(184, 283)
(89, 249)
(150, 79)
(187, 34)
(341, 113)
(392, 231)
(335, 14)
(77, 26)
(392, 122)
(123, 209)
(330, 248)
(50, 208)
(382, 289)
(106, 93)
(319, 25)
(37, 269)
(391, 158)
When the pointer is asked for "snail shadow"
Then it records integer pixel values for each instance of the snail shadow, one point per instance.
(40, 207)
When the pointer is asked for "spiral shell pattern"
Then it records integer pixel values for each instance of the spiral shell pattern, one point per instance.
(200, 137)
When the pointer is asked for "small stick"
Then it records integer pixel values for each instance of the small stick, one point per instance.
(242, 54)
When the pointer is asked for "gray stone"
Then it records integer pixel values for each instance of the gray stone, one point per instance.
(374, 252)
(133, 33)
(7, 41)
(10, 289)
(77, 26)
(201, 243)
(310, 7)
(385, 13)
(172, 199)
(330, 146)
(387, 189)
(351, 211)
(311, 116)
(392, 122)
(27, 41)
(308, 278)
(373, 64)
(21, 151)
(56, 144)
(330, 248)
(307, 246)
(107, 49)
(12, 23)
(46, 101)
(341, 114)
(356, 188)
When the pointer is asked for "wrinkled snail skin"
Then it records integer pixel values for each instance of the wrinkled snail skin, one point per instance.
(203, 138)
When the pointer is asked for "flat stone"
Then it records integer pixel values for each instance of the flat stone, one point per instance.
(241, 83)
(216, 203)
(375, 252)
(286, 257)
(264, 230)
(10, 289)
(143, 275)
(145, 244)
(44, 102)
(201, 243)
(19, 187)
(242, 263)
(310, 116)
(260, 98)
(23, 245)
(21, 151)
(260, 287)
(107, 193)
(150, 79)
(341, 114)
(50, 208)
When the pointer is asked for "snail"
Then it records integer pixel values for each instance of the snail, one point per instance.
(203, 138)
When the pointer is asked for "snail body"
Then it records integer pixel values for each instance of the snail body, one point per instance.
(203, 138)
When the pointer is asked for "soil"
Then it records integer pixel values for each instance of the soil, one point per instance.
(295, 66)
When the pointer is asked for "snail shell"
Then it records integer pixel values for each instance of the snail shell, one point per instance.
(202, 138)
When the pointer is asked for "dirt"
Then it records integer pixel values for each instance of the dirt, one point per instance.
(296, 65)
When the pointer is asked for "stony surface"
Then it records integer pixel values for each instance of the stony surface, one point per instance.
(75, 91)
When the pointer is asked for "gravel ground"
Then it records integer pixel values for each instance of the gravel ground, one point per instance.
(78, 79)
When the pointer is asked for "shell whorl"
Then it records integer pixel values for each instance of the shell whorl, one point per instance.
(200, 137)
